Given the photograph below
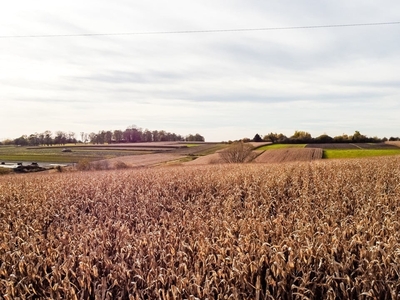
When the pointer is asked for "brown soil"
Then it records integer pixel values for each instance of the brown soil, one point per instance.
(387, 145)
(289, 154)
(393, 143)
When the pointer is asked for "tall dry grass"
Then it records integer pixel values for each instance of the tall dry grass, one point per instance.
(321, 230)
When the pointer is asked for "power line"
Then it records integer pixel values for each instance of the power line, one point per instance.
(199, 31)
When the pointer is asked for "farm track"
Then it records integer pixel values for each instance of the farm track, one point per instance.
(327, 229)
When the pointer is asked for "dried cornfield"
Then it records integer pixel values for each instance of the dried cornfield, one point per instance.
(289, 155)
(304, 230)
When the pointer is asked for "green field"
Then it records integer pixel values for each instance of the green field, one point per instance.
(358, 153)
(281, 146)
(339, 153)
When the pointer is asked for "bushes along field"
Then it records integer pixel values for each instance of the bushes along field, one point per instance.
(321, 230)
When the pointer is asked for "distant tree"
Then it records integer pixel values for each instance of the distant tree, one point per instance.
(358, 137)
(133, 134)
(162, 136)
(257, 138)
(194, 138)
(324, 138)
(239, 152)
(118, 136)
(71, 137)
(33, 139)
(301, 137)
(48, 138)
(375, 139)
(41, 137)
(21, 141)
(270, 137)
(199, 138)
(101, 137)
(147, 136)
(60, 138)
(82, 136)
(8, 142)
(92, 138)
(108, 137)
(344, 138)
(275, 138)
(156, 137)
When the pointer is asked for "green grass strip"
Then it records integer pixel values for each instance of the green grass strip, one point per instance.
(358, 153)
(281, 146)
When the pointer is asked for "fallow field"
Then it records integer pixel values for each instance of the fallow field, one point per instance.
(289, 154)
(327, 229)
(133, 154)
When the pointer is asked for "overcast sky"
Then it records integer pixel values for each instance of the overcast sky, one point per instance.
(223, 85)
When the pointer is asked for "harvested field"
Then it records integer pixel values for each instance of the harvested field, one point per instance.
(289, 154)
(333, 146)
(382, 146)
(216, 232)
(216, 158)
(394, 143)
(206, 160)
(177, 154)
(144, 160)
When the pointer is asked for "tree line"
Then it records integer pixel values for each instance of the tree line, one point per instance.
(303, 137)
(132, 134)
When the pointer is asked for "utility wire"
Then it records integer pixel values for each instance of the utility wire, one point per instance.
(199, 31)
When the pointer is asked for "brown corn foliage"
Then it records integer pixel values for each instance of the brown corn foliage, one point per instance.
(320, 230)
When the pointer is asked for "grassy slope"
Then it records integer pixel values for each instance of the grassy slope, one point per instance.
(281, 146)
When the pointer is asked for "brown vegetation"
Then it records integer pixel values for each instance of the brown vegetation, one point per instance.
(237, 153)
(214, 158)
(289, 155)
(322, 230)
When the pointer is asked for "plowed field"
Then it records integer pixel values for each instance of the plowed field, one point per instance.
(290, 154)
(353, 146)
(394, 143)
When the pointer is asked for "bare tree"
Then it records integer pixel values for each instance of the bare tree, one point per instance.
(237, 153)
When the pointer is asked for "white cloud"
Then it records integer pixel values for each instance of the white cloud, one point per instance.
(222, 85)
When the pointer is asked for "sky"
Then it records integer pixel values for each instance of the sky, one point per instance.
(225, 85)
